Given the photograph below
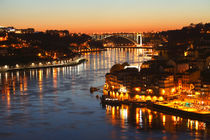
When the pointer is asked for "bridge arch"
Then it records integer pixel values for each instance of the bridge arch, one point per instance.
(131, 40)
(135, 38)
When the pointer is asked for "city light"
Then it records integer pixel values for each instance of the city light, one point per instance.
(123, 89)
(173, 90)
(163, 92)
(137, 89)
(148, 98)
(137, 69)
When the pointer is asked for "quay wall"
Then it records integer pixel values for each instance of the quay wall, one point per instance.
(37, 65)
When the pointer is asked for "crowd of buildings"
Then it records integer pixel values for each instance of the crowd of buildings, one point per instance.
(26, 45)
(179, 73)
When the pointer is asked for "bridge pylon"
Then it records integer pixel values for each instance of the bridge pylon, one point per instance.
(139, 40)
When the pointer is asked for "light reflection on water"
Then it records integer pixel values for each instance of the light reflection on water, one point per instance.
(55, 103)
(145, 119)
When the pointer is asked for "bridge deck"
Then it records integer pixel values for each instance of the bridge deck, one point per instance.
(131, 47)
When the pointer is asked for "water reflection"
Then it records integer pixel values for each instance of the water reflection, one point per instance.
(146, 119)
(53, 103)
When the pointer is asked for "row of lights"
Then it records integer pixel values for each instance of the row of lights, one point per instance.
(7, 67)
(32, 64)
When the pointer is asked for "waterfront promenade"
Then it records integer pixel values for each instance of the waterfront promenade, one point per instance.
(191, 113)
(132, 47)
(38, 65)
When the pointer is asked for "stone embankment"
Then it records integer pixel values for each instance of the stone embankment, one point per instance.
(37, 65)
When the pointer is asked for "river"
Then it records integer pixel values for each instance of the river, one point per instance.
(55, 103)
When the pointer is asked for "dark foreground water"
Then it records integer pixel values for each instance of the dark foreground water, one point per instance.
(55, 103)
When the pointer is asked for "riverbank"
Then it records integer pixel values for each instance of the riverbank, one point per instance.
(60, 63)
(202, 116)
(131, 47)
(89, 50)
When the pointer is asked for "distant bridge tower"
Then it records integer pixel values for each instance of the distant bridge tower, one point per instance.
(139, 40)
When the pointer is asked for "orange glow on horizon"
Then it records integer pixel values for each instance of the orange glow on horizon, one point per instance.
(103, 28)
(103, 16)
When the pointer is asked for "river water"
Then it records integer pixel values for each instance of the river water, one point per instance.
(55, 103)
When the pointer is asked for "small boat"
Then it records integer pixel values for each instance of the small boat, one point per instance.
(93, 89)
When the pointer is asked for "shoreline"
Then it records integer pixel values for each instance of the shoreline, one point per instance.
(131, 47)
(88, 51)
(160, 108)
(205, 117)
(47, 65)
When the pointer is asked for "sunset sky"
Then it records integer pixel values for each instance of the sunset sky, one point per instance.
(103, 15)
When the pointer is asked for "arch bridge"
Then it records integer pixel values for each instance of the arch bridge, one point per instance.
(135, 38)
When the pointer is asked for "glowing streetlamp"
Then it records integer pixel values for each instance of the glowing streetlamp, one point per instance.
(39, 54)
